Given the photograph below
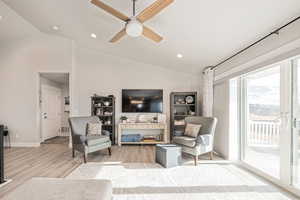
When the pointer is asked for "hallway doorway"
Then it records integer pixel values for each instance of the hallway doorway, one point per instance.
(54, 108)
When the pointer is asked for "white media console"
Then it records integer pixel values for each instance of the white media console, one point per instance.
(143, 126)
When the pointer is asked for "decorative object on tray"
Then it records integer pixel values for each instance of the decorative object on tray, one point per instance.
(155, 119)
(123, 119)
(104, 108)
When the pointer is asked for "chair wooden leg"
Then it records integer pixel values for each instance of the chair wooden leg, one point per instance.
(109, 151)
(196, 160)
(84, 157)
(211, 155)
(9, 143)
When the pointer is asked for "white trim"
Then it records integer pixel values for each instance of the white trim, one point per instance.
(25, 144)
(7, 181)
(273, 180)
(285, 129)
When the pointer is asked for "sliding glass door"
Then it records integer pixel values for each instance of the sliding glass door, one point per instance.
(261, 120)
(269, 101)
(296, 123)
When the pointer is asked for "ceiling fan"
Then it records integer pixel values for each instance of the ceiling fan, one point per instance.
(134, 25)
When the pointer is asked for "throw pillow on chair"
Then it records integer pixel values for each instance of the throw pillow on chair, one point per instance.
(192, 130)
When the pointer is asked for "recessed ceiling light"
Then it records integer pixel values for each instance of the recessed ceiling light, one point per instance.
(1, 17)
(93, 35)
(179, 55)
(55, 28)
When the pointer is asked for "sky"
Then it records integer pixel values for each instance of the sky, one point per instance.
(264, 87)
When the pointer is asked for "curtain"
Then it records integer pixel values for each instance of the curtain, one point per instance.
(208, 92)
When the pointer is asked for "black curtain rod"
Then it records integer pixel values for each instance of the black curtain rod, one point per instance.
(258, 41)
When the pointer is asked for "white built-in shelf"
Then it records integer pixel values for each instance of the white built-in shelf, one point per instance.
(143, 126)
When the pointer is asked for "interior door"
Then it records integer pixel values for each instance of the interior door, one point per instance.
(51, 111)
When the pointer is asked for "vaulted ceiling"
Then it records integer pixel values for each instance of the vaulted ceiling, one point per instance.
(203, 31)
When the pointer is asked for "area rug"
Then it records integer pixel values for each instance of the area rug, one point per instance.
(142, 181)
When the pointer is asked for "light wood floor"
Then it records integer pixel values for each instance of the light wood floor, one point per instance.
(55, 160)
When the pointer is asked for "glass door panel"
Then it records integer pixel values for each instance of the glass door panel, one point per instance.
(296, 123)
(261, 119)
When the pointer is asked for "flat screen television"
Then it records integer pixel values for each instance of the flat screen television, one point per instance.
(142, 101)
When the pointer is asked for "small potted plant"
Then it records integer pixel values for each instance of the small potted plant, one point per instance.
(123, 119)
(155, 119)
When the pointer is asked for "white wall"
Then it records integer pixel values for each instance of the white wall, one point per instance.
(20, 62)
(92, 72)
(104, 75)
(269, 49)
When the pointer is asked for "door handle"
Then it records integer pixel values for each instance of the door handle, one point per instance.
(296, 123)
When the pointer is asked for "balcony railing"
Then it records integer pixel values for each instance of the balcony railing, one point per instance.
(263, 133)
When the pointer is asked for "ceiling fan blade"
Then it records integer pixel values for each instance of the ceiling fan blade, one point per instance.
(153, 9)
(118, 36)
(148, 33)
(110, 10)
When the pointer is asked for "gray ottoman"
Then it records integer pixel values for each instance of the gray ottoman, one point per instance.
(168, 155)
(62, 189)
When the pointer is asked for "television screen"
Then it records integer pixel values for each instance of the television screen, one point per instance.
(144, 101)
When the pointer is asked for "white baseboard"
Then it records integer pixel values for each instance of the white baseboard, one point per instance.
(23, 144)
(5, 183)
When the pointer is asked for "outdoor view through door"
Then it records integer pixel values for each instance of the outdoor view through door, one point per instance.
(262, 120)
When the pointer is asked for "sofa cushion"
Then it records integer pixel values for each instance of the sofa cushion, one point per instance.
(55, 188)
(185, 140)
(192, 130)
(97, 139)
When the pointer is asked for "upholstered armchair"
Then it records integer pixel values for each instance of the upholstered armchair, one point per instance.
(87, 143)
(203, 143)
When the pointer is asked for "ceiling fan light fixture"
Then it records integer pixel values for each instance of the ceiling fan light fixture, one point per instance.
(134, 28)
